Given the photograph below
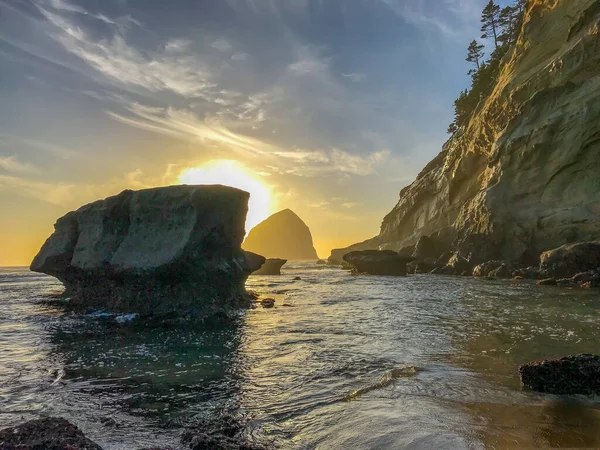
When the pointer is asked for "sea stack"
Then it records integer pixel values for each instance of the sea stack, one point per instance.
(283, 235)
(162, 250)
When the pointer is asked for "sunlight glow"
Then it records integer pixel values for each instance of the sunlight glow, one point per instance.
(234, 174)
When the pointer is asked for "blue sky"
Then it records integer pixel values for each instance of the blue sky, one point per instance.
(335, 104)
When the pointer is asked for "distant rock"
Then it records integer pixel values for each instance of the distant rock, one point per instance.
(272, 266)
(45, 434)
(337, 254)
(571, 259)
(283, 235)
(154, 251)
(321, 262)
(378, 262)
(570, 375)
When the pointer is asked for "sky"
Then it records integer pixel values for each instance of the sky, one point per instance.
(331, 105)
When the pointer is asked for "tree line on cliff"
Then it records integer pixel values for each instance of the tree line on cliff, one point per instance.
(501, 27)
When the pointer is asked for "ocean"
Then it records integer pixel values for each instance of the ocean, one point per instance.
(361, 362)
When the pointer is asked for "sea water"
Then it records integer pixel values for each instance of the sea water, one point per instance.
(350, 361)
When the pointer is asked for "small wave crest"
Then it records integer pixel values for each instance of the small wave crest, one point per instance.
(384, 381)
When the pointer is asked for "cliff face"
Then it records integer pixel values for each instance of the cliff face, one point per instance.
(282, 235)
(524, 175)
(172, 249)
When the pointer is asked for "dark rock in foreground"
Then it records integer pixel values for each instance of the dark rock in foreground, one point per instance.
(45, 434)
(283, 235)
(378, 262)
(571, 259)
(570, 375)
(272, 266)
(154, 251)
(223, 432)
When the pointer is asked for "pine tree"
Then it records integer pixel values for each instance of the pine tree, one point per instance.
(509, 21)
(489, 19)
(475, 55)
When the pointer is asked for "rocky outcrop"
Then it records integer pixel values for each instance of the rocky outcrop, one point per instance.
(337, 255)
(47, 434)
(522, 176)
(566, 376)
(571, 259)
(154, 251)
(271, 266)
(283, 235)
(378, 262)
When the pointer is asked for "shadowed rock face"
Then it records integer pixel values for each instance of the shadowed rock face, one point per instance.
(570, 375)
(377, 262)
(522, 176)
(171, 249)
(571, 259)
(283, 235)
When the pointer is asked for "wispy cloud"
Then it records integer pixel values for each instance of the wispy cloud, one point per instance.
(57, 194)
(222, 45)
(356, 77)
(13, 165)
(170, 71)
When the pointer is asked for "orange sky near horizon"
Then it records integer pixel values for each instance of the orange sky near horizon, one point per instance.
(20, 240)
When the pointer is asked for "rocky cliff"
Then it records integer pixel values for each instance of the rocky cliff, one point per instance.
(283, 235)
(171, 249)
(523, 175)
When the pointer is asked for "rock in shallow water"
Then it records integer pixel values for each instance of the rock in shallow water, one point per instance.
(45, 434)
(570, 375)
(378, 262)
(571, 259)
(154, 251)
(272, 266)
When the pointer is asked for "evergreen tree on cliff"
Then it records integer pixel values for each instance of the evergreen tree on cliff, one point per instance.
(490, 22)
(475, 55)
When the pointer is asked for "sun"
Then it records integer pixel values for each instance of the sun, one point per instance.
(234, 174)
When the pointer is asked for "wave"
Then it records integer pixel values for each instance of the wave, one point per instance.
(387, 379)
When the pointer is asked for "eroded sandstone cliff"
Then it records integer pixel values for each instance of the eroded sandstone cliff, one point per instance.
(524, 175)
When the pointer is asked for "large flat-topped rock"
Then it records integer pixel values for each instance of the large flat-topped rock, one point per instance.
(128, 250)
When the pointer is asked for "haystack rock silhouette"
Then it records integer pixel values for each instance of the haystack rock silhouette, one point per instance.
(283, 235)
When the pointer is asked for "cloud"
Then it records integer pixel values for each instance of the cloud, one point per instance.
(13, 165)
(177, 45)
(356, 77)
(240, 56)
(184, 124)
(453, 19)
(222, 45)
(309, 64)
(56, 194)
(182, 74)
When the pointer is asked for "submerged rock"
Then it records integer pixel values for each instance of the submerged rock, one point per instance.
(547, 282)
(571, 259)
(271, 266)
(267, 302)
(154, 251)
(321, 262)
(50, 433)
(570, 375)
(283, 235)
(378, 262)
